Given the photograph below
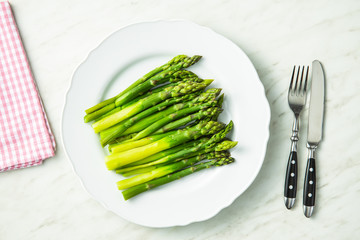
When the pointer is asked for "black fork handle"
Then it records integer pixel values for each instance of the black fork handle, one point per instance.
(291, 180)
(291, 170)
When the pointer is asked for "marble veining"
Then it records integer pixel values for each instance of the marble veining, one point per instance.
(48, 201)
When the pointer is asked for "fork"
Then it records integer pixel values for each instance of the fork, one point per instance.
(297, 100)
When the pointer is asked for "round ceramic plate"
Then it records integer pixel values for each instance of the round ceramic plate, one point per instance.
(125, 56)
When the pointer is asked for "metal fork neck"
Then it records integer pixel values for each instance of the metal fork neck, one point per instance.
(295, 133)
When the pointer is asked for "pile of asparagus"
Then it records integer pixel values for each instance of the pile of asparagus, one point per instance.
(162, 127)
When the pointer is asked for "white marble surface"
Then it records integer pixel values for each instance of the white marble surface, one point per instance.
(48, 201)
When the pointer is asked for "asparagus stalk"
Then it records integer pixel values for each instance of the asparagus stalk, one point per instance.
(188, 119)
(159, 172)
(203, 111)
(111, 108)
(121, 139)
(178, 90)
(148, 93)
(100, 105)
(173, 61)
(144, 119)
(96, 114)
(205, 142)
(149, 167)
(184, 153)
(219, 104)
(130, 97)
(126, 145)
(133, 191)
(117, 160)
(155, 80)
(166, 152)
(207, 98)
(212, 112)
(182, 75)
(115, 131)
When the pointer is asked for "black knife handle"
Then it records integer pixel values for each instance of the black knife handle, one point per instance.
(310, 183)
(291, 176)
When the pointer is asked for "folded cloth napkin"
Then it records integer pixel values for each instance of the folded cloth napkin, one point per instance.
(25, 135)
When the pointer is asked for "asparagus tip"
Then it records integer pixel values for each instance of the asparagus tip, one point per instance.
(224, 161)
(208, 81)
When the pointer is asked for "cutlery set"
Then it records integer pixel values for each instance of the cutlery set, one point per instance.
(297, 100)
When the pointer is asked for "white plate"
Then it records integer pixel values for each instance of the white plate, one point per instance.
(125, 56)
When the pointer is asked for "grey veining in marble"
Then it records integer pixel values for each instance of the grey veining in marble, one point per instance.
(48, 201)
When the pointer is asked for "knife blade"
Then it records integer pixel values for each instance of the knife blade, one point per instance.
(314, 135)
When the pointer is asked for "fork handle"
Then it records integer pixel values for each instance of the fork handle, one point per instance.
(291, 170)
(291, 180)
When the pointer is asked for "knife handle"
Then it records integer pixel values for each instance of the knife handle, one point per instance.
(310, 184)
(291, 180)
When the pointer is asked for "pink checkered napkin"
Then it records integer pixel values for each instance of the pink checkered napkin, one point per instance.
(25, 136)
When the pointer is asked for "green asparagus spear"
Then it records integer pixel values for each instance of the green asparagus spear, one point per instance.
(220, 101)
(210, 112)
(121, 139)
(166, 152)
(142, 90)
(100, 105)
(208, 98)
(96, 114)
(172, 62)
(118, 160)
(133, 191)
(210, 155)
(115, 131)
(178, 90)
(159, 172)
(184, 153)
(155, 80)
(182, 75)
(203, 144)
(181, 150)
(111, 108)
(116, 109)
(144, 119)
(202, 108)
(126, 145)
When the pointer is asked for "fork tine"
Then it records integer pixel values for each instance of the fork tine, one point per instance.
(301, 80)
(292, 79)
(306, 78)
(297, 78)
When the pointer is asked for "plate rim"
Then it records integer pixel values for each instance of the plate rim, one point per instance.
(258, 82)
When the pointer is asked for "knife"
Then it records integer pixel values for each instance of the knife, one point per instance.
(314, 135)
